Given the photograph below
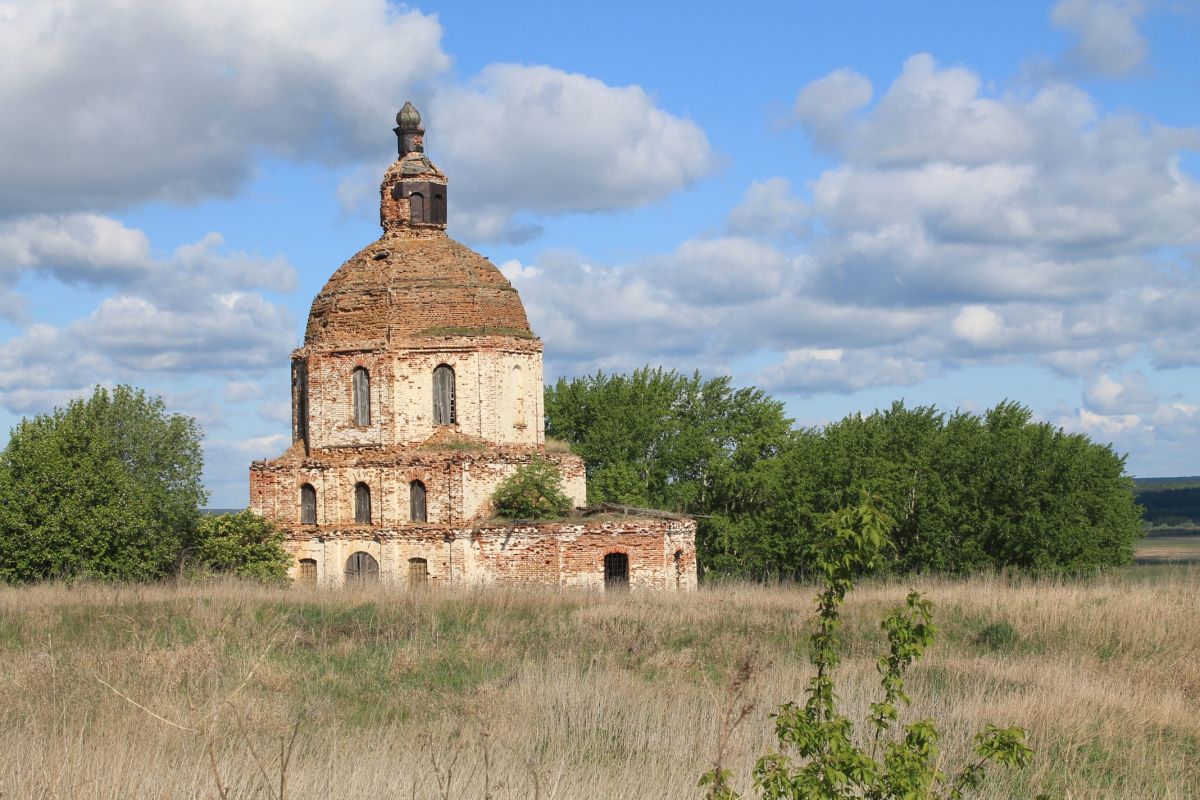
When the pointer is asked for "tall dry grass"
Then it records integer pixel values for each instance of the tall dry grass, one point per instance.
(195, 692)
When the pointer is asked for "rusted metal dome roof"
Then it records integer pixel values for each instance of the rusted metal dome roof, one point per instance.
(413, 284)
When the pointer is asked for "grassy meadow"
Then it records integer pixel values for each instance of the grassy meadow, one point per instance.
(202, 691)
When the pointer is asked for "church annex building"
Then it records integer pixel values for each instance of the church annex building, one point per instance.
(417, 390)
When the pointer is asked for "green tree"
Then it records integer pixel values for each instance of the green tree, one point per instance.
(534, 491)
(107, 487)
(680, 443)
(967, 491)
(242, 544)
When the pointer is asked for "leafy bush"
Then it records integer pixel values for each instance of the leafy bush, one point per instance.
(242, 544)
(108, 487)
(997, 636)
(534, 491)
(818, 758)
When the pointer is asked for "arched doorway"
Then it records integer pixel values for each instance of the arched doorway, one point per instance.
(616, 572)
(361, 568)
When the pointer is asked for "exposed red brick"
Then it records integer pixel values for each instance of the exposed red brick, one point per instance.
(414, 300)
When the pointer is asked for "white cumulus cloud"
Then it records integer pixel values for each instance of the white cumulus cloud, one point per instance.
(535, 138)
(110, 103)
(1108, 41)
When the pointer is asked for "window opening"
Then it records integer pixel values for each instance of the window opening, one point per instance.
(518, 389)
(361, 568)
(416, 502)
(418, 572)
(361, 382)
(308, 505)
(616, 572)
(416, 208)
(445, 411)
(299, 401)
(307, 575)
(362, 504)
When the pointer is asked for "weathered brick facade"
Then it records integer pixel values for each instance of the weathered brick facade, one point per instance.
(417, 390)
(660, 554)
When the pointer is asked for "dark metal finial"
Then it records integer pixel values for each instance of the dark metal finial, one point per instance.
(408, 130)
(408, 118)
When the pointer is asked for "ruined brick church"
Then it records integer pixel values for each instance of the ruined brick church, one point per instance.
(417, 391)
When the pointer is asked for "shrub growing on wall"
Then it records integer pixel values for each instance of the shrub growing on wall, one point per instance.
(534, 491)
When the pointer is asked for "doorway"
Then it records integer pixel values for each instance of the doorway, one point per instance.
(361, 568)
(616, 572)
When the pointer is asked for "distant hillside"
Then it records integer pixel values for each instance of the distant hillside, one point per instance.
(1170, 502)
(216, 512)
(1150, 484)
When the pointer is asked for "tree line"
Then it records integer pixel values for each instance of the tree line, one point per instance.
(967, 491)
(1175, 503)
(110, 486)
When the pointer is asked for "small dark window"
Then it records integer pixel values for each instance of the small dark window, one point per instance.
(361, 567)
(361, 383)
(439, 209)
(308, 505)
(445, 410)
(416, 502)
(418, 572)
(416, 208)
(299, 401)
(362, 504)
(616, 572)
(307, 576)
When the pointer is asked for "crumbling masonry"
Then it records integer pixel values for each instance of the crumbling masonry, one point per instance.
(418, 389)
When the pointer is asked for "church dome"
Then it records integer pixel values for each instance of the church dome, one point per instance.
(415, 281)
(407, 285)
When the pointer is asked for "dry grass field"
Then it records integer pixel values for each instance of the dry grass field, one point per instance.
(196, 691)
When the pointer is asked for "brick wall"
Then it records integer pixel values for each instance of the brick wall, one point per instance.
(661, 553)
(498, 388)
(458, 485)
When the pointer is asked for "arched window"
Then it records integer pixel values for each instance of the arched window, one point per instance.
(300, 401)
(360, 380)
(445, 410)
(416, 502)
(416, 208)
(418, 572)
(518, 391)
(307, 575)
(361, 567)
(362, 504)
(308, 505)
(616, 572)
(439, 208)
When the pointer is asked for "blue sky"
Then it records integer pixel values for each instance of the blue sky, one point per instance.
(845, 204)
